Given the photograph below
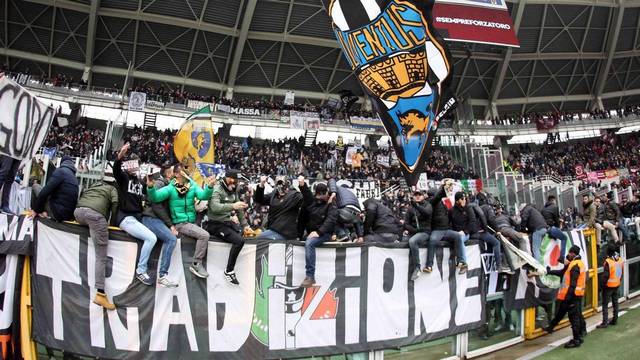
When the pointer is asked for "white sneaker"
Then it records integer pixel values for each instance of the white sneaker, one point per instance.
(416, 274)
(164, 281)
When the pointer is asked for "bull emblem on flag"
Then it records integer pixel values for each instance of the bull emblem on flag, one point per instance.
(403, 66)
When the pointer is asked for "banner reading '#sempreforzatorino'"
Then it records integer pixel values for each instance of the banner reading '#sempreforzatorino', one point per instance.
(363, 300)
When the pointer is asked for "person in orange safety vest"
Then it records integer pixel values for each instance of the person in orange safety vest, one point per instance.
(572, 289)
(613, 269)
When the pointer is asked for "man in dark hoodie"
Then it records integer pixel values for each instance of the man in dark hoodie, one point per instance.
(129, 219)
(440, 228)
(417, 224)
(379, 223)
(551, 215)
(572, 290)
(59, 196)
(533, 222)
(320, 225)
(284, 208)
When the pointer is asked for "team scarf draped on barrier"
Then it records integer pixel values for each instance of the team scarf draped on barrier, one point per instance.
(404, 67)
(363, 300)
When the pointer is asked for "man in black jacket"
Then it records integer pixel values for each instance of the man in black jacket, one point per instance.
(321, 223)
(440, 229)
(349, 211)
(417, 224)
(284, 207)
(532, 221)
(379, 223)
(504, 225)
(571, 292)
(551, 215)
(59, 196)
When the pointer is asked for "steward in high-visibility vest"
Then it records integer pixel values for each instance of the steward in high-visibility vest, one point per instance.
(613, 270)
(572, 289)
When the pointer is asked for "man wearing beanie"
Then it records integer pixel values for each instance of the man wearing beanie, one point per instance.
(613, 269)
(572, 288)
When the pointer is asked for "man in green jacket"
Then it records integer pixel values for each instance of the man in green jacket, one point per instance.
(97, 203)
(181, 194)
(223, 206)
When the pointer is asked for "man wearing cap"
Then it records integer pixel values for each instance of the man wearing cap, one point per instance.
(320, 225)
(440, 227)
(572, 289)
(59, 196)
(97, 204)
(417, 224)
(284, 206)
(181, 194)
(223, 206)
(156, 217)
(613, 270)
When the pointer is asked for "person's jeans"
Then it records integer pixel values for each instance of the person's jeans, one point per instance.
(557, 234)
(270, 235)
(133, 227)
(166, 236)
(227, 233)
(417, 240)
(492, 241)
(385, 238)
(8, 171)
(449, 236)
(537, 237)
(310, 253)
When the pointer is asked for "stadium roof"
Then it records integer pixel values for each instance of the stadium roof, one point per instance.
(572, 51)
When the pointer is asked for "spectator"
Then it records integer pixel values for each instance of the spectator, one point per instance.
(284, 207)
(417, 224)
(59, 196)
(379, 223)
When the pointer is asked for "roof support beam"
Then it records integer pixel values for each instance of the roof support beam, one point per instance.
(612, 42)
(498, 80)
(193, 43)
(91, 40)
(242, 39)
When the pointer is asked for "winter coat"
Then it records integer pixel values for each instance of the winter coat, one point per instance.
(321, 216)
(532, 219)
(182, 208)
(283, 211)
(61, 191)
(379, 219)
(418, 217)
(551, 214)
(612, 212)
(344, 196)
(221, 205)
(159, 210)
(101, 197)
(440, 217)
(590, 212)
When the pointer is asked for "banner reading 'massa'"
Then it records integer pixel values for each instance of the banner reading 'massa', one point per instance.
(402, 64)
(364, 300)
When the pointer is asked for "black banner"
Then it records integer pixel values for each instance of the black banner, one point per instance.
(16, 234)
(363, 300)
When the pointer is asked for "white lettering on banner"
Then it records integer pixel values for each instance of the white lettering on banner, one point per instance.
(277, 267)
(352, 298)
(387, 318)
(243, 111)
(469, 309)
(123, 265)
(433, 312)
(230, 327)
(163, 314)
(25, 121)
(7, 288)
(15, 228)
(62, 265)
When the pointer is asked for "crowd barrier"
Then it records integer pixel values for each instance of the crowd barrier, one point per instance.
(363, 300)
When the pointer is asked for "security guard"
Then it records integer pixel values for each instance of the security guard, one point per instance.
(574, 280)
(613, 268)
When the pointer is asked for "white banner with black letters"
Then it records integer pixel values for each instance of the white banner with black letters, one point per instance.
(24, 123)
(363, 300)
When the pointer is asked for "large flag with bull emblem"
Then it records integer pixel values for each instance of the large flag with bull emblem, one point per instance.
(404, 67)
(193, 145)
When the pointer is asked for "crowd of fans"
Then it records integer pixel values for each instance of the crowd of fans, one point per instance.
(561, 159)
(562, 117)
